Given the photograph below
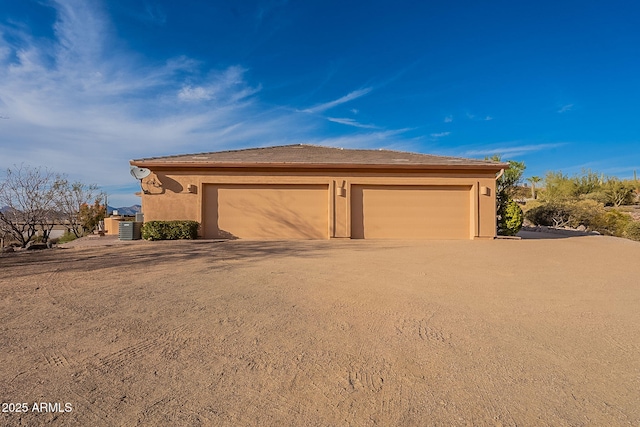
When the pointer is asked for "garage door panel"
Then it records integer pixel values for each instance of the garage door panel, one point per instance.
(411, 212)
(267, 211)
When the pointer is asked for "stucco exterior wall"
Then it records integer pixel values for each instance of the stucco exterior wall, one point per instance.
(179, 194)
(112, 225)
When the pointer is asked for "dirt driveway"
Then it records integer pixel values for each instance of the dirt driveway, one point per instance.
(331, 333)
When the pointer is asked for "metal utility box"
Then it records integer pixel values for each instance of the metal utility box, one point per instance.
(129, 230)
(139, 217)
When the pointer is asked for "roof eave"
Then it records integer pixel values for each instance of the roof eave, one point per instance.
(248, 165)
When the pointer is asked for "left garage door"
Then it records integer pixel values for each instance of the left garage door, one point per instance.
(266, 211)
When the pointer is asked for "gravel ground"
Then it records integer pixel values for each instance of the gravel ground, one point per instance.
(541, 331)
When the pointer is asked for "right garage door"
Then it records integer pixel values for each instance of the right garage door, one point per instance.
(410, 212)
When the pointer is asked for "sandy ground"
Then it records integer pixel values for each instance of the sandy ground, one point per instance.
(331, 333)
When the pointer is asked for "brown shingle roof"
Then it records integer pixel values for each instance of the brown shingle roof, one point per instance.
(304, 155)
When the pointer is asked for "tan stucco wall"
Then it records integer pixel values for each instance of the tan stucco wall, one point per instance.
(112, 225)
(168, 195)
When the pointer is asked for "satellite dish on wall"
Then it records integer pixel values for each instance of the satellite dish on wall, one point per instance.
(139, 173)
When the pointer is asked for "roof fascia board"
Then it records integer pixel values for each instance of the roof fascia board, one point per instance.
(323, 166)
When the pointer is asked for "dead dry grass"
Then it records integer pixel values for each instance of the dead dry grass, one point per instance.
(325, 333)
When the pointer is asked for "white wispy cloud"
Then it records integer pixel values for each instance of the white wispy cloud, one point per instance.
(513, 150)
(198, 93)
(384, 139)
(440, 134)
(82, 104)
(351, 122)
(155, 14)
(227, 86)
(448, 119)
(472, 116)
(328, 105)
(565, 108)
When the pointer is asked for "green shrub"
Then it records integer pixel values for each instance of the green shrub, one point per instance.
(531, 204)
(585, 212)
(170, 230)
(588, 213)
(67, 237)
(510, 221)
(612, 223)
(632, 230)
(549, 214)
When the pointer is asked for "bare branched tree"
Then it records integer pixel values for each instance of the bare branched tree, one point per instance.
(27, 203)
(79, 205)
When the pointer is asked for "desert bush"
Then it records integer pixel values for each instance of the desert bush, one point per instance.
(510, 220)
(588, 213)
(632, 230)
(597, 196)
(531, 204)
(585, 212)
(558, 187)
(506, 189)
(170, 230)
(618, 193)
(550, 214)
(608, 190)
(67, 237)
(612, 222)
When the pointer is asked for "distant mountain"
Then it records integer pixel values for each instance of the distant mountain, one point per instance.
(126, 211)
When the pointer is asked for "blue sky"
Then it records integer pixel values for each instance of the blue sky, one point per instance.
(86, 85)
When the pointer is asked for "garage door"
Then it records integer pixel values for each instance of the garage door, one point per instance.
(266, 211)
(410, 212)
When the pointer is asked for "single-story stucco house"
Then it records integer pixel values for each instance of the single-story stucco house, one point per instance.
(312, 192)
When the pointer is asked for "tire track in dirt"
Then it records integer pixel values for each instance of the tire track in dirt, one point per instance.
(349, 380)
(94, 386)
(500, 414)
(332, 379)
(156, 411)
(363, 380)
(58, 359)
(625, 347)
(120, 358)
(55, 287)
(311, 370)
(48, 285)
(187, 414)
(88, 410)
(424, 329)
(426, 332)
